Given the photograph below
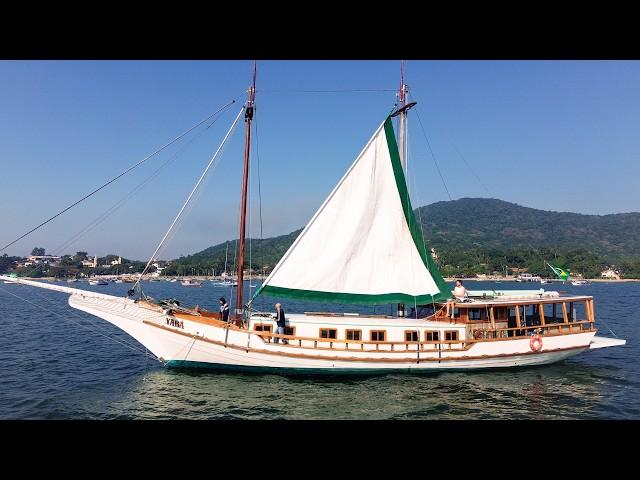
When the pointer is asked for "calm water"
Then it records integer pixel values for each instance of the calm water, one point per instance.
(60, 363)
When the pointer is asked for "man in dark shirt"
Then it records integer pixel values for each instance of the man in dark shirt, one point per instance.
(280, 321)
(224, 310)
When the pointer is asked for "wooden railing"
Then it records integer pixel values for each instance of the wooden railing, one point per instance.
(489, 334)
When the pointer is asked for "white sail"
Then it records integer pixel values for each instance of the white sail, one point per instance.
(363, 245)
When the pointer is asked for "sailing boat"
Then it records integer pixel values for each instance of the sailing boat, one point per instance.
(224, 274)
(364, 247)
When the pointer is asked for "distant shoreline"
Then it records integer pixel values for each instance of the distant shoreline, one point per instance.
(594, 280)
(447, 279)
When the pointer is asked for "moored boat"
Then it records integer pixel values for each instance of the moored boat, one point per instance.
(362, 247)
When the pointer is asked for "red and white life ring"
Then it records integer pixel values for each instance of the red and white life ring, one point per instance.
(536, 343)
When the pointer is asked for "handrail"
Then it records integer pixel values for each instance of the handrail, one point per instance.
(560, 326)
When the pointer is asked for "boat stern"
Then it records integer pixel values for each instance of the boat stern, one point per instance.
(603, 342)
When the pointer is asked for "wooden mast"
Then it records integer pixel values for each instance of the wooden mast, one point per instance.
(248, 116)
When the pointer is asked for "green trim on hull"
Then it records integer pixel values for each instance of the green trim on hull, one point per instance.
(185, 364)
(189, 365)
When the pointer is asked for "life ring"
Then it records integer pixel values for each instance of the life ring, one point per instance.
(477, 334)
(536, 343)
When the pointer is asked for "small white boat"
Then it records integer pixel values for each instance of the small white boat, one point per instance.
(191, 283)
(579, 282)
(98, 282)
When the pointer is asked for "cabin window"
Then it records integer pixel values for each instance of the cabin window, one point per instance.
(579, 311)
(553, 313)
(456, 312)
(289, 330)
(431, 336)
(378, 335)
(451, 335)
(354, 334)
(500, 313)
(475, 313)
(328, 333)
(260, 327)
(410, 336)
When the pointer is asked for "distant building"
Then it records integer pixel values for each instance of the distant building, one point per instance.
(90, 263)
(117, 262)
(610, 273)
(158, 271)
(36, 259)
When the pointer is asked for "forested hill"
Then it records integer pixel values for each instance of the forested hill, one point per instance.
(490, 223)
(480, 235)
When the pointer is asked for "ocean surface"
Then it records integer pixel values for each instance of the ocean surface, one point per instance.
(60, 363)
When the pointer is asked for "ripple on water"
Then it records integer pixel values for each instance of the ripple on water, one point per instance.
(58, 369)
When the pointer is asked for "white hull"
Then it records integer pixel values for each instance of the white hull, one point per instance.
(186, 343)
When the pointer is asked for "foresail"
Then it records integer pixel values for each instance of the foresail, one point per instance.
(363, 245)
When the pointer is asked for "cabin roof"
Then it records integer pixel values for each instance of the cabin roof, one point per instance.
(517, 297)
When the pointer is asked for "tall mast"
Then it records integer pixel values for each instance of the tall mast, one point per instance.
(403, 108)
(248, 116)
(402, 102)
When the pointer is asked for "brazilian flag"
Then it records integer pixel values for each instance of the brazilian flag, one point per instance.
(562, 274)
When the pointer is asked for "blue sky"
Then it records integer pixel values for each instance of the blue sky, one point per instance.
(553, 135)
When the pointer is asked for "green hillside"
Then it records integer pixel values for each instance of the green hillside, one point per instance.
(480, 235)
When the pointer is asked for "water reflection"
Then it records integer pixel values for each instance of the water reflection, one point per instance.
(54, 368)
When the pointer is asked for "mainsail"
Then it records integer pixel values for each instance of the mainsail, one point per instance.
(363, 245)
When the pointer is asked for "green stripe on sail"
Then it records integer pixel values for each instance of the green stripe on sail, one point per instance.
(414, 228)
(385, 298)
(350, 298)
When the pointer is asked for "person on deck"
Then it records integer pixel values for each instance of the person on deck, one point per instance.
(224, 310)
(460, 292)
(280, 321)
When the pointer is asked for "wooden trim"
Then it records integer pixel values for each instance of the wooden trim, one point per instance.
(541, 314)
(491, 317)
(518, 321)
(320, 337)
(411, 359)
(346, 334)
(263, 325)
(451, 331)
(437, 332)
(565, 315)
(510, 303)
(412, 332)
(384, 332)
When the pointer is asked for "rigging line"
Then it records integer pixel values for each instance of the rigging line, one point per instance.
(373, 90)
(472, 171)
(77, 315)
(432, 154)
(415, 189)
(131, 194)
(116, 178)
(79, 324)
(190, 196)
(257, 149)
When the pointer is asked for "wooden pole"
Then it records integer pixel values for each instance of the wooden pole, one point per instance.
(248, 116)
